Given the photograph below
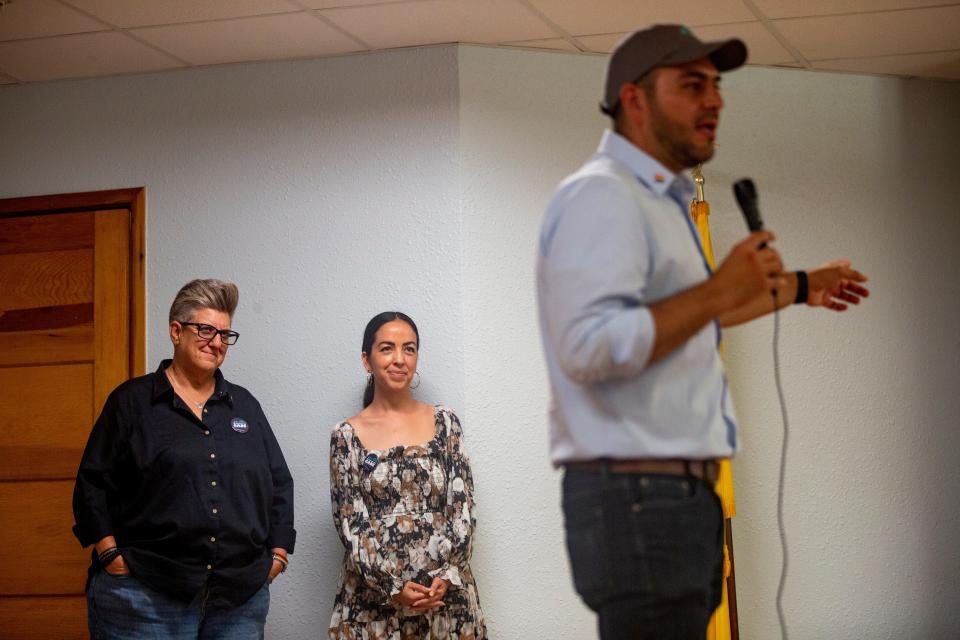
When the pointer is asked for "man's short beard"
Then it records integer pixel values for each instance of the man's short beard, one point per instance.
(668, 134)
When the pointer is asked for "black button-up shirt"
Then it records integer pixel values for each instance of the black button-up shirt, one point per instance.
(192, 503)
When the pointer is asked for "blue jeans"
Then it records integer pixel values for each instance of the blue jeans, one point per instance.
(646, 552)
(123, 608)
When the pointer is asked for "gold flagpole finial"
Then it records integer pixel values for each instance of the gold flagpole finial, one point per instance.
(698, 178)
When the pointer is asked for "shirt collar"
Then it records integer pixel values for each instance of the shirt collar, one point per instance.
(162, 386)
(651, 173)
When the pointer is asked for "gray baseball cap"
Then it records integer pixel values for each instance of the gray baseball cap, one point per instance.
(663, 45)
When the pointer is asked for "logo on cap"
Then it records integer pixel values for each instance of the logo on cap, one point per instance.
(239, 425)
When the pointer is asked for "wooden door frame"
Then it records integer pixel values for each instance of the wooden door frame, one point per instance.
(135, 200)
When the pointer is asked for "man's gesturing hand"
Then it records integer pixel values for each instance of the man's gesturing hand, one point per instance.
(834, 285)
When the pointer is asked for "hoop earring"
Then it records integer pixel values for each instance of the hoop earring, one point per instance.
(417, 374)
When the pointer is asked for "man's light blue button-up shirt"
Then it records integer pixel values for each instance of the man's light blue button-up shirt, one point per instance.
(616, 238)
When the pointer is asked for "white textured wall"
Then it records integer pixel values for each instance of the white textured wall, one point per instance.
(523, 125)
(332, 189)
(326, 189)
(846, 166)
(864, 168)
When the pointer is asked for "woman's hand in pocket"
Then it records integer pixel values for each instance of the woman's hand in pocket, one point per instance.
(118, 567)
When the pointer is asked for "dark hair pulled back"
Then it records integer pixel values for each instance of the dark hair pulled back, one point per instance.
(370, 333)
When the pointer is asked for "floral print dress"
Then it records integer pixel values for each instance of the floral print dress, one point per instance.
(404, 514)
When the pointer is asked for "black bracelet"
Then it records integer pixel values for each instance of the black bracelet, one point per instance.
(803, 288)
(105, 552)
(108, 556)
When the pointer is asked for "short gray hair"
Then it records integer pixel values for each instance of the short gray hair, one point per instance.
(204, 294)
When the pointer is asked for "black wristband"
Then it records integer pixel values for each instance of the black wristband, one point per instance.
(108, 556)
(803, 288)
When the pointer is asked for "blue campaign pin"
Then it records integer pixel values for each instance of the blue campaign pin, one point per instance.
(239, 425)
(370, 462)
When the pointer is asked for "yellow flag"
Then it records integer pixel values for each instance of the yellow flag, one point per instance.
(700, 210)
(720, 625)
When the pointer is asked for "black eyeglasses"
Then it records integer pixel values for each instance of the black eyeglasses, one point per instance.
(207, 332)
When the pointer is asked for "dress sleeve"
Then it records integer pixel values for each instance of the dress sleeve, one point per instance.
(352, 519)
(456, 546)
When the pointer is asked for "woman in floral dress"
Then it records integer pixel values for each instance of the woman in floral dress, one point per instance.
(402, 497)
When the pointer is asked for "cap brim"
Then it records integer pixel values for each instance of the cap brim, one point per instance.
(724, 54)
(729, 54)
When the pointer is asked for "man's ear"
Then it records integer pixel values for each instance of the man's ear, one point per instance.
(633, 103)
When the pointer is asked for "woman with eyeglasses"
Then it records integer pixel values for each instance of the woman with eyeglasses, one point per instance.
(184, 492)
(402, 495)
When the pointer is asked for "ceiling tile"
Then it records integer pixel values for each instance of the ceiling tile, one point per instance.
(330, 4)
(874, 34)
(140, 13)
(90, 54)
(434, 21)
(617, 16)
(601, 44)
(298, 35)
(39, 18)
(762, 47)
(556, 44)
(794, 9)
(943, 65)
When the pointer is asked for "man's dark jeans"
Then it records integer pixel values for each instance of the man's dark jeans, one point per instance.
(646, 552)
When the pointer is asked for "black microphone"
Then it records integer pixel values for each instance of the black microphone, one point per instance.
(746, 194)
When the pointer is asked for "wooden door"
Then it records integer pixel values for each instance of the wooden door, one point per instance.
(71, 289)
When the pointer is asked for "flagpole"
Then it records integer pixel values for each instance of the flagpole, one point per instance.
(724, 624)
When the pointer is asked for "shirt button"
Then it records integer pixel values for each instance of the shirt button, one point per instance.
(206, 432)
(213, 538)
(213, 483)
(206, 411)
(209, 567)
(214, 510)
(212, 456)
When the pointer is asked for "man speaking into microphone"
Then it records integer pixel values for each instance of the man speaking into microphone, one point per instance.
(630, 314)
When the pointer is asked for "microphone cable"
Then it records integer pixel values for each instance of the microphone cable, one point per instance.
(783, 467)
(745, 193)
